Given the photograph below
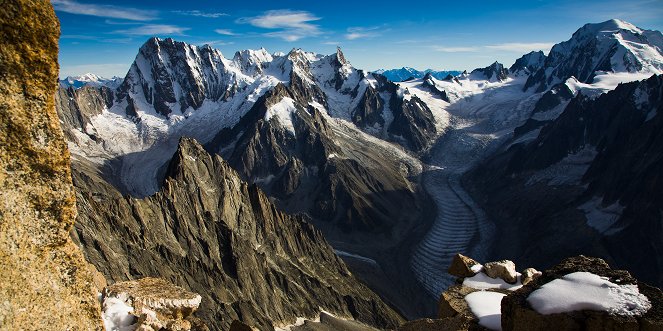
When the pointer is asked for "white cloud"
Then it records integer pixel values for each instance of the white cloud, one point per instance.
(153, 29)
(199, 13)
(456, 49)
(133, 14)
(292, 25)
(333, 43)
(225, 32)
(217, 43)
(522, 47)
(361, 32)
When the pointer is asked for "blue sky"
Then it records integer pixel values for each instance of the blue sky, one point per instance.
(103, 37)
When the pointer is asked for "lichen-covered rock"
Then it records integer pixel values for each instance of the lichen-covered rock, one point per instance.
(46, 284)
(517, 314)
(461, 266)
(504, 269)
(529, 275)
(157, 304)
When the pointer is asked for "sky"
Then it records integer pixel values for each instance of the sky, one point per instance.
(103, 37)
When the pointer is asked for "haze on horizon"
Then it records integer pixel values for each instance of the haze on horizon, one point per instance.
(103, 37)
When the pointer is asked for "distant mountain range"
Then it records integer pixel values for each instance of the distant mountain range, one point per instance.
(91, 80)
(405, 73)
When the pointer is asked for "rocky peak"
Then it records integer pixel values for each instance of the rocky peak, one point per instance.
(173, 76)
(252, 61)
(529, 62)
(340, 57)
(493, 72)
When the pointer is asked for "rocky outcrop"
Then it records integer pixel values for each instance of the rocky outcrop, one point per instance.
(517, 314)
(589, 183)
(46, 284)
(214, 234)
(493, 72)
(156, 305)
(528, 63)
(77, 106)
(413, 122)
(430, 85)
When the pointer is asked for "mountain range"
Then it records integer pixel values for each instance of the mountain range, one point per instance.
(406, 73)
(213, 165)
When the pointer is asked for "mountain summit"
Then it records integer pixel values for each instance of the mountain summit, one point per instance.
(596, 49)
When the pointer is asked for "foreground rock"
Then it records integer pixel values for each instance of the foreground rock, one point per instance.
(225, 240)
(463, 266)
(45, 282)
(157, 305)
(518, 314)
(503, 269)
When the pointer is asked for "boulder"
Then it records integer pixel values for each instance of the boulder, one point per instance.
(529, 275)
(461, 266)
(154, 303)
(517, 314)
(45, 283)
(504, 269)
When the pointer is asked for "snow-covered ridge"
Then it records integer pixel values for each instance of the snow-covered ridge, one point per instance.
(610, 47)
(90, 79)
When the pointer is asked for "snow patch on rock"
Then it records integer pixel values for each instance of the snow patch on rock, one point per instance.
(588, 291)
(486, 306)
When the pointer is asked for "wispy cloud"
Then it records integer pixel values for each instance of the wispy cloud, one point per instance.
(199, 13)
(217, 43)
(225, 32)
(153, 29)
(522, 47)
(505, 47)
(333, 43)
(457, 49)
(291, 25)
(362, 32)
(125, 13)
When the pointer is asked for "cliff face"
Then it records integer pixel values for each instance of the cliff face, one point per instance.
(211, 232)
(45, 281)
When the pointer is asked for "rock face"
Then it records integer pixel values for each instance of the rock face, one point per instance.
(157, 304)
(222, 238)
(45, 283)
(590, 183)
(493, 72)
(528, 63)
(518, 315)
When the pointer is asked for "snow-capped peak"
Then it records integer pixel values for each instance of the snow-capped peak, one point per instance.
(612, 46)
(90, 79)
